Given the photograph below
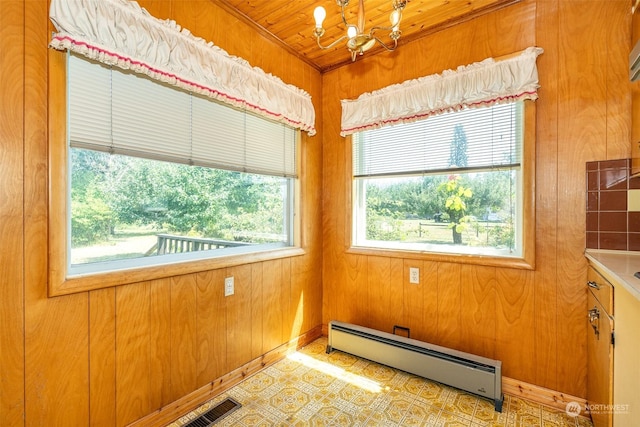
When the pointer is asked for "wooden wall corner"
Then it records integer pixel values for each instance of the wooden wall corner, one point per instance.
(191, 401)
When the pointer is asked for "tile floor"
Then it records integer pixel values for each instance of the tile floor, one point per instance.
(312, 388)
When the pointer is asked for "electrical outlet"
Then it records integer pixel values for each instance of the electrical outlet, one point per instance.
(228, 286)
(414, 275)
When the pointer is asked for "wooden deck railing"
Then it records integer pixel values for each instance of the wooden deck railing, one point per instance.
(171, 244)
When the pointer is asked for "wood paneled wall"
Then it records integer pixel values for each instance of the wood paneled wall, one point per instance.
(12, 135)
(532, 320)
(111, 356)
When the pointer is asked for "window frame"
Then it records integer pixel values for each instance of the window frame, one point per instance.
(525, 261)
(60, 282)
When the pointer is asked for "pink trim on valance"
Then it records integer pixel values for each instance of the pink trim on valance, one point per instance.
(121, 33)
(480, 84)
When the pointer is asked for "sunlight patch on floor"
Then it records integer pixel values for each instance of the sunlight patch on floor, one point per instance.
(336, 372)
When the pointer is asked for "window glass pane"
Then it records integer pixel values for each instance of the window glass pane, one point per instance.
(449, 184)
(160, 175)
(128, 211)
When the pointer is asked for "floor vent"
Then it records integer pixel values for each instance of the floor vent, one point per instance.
(214, 414)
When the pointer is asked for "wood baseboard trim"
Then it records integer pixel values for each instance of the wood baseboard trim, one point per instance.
(541, 395)
(191, 401)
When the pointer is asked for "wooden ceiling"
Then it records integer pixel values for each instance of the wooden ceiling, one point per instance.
(290, 22)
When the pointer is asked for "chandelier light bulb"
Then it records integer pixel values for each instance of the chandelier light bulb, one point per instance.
(319, 14)
(352, 31)
(395, 17)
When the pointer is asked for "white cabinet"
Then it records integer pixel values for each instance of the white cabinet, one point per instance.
(613, 382)
(600, 349)
(626, 360)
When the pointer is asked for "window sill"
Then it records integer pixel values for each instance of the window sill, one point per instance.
(89, 282)
(484, 260)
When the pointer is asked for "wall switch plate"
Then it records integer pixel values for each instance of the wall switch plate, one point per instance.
(228, 286)
(414, 275)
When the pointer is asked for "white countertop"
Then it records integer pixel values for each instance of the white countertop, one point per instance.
(621, 265)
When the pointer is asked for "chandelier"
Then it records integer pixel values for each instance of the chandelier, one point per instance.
(358, 42)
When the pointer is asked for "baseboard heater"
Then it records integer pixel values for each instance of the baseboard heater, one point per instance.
(475, 374)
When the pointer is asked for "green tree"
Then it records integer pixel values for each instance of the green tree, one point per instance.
(92, 219)
(110, 190)
(431, 198)
(458, 150)
(407, 199)
(492, 191)
(455, 194)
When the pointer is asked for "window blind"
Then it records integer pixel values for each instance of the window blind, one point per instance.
(126, 113)
(467, 140)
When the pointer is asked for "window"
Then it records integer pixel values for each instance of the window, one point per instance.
(159, 175)
(450, 184)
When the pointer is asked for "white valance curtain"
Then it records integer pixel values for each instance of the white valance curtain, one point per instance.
(121, 33)
(480, 84)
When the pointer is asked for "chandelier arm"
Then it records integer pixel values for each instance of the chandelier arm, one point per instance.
(374, 29)
(390, 49)
(330, 45)
(344, 18)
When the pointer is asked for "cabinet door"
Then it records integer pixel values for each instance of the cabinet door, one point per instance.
(599, 364)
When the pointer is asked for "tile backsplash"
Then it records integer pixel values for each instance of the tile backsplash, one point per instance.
(613, 206)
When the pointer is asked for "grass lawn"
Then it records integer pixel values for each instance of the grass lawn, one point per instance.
(429, 231)
(122, 245)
